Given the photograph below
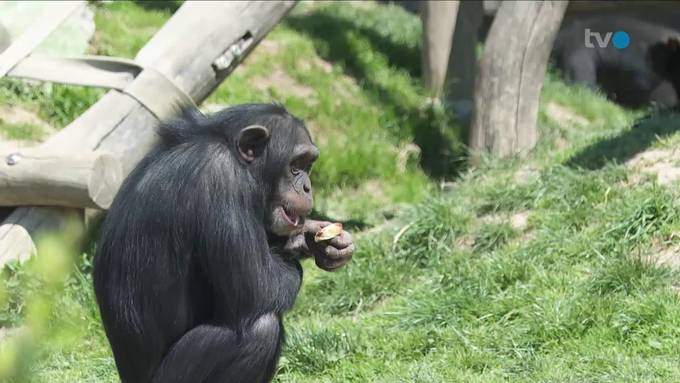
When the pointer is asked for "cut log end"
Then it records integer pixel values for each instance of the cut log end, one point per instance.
(39, 178)
(105, 179)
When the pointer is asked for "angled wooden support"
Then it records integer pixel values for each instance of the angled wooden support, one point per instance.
(97, 71)
(52, 15)
(143, 84)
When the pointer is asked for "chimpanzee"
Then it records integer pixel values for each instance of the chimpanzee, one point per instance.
(199, 255)
(627, 73)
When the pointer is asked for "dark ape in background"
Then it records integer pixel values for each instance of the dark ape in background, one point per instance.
(628, 76)
(199, 254)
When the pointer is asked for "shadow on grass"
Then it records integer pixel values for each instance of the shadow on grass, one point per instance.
(626, 145)
(341, 40)
(332, 28)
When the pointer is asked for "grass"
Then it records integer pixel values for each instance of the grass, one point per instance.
(20, 131)
(303, 70)
(449, 289)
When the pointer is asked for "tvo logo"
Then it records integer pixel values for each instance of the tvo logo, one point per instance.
(619, 39)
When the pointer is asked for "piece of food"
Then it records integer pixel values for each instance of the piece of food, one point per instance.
(329, 232)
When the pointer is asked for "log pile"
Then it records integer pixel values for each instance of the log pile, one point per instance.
(83, 165)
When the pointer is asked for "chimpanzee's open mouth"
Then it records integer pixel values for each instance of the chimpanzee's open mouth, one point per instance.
(290, 216)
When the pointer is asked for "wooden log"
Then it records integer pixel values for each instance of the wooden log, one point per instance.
(50, 17)
(439, 21)
(23, 225)
(511, 75)
(39, 178)
(222, 34)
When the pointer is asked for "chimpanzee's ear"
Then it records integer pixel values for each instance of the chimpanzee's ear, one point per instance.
(252, 140)
(673, 43)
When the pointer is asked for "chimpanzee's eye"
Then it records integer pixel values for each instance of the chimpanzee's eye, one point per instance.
(295, 170)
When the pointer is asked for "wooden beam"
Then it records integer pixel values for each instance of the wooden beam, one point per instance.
(52, 15)
(222, 34)
(23, 225)
(39, 178)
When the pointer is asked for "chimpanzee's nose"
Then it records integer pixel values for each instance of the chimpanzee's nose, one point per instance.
(307, 187)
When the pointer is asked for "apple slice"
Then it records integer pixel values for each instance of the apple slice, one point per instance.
(329, 232)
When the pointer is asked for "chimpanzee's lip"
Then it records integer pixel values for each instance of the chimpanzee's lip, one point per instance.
(290, 217)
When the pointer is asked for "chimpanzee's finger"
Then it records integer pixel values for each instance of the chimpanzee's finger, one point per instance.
(330, 264)
(312, 226)
(334, 253)
(341, 241)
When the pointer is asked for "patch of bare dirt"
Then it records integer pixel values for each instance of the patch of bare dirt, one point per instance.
(324, 65)
(663, 164)
(347, 88)
(280, 80)
(314, 63)
(667, 257)
(465, 242)
(519, 221)
(526, 174)
(663, 254)
(373, 188)
(17, 115)
(269, 46)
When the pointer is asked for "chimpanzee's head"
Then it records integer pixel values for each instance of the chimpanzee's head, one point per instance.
(279, 149)
(665, 59)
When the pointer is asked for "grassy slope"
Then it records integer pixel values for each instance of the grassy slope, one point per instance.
(447, 291)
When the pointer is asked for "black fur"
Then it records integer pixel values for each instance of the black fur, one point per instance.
(628, 76)
(188, 282)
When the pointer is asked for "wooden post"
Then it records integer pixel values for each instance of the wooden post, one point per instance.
(439, 21)
(222, 34)
(511, 75)
(460, 75)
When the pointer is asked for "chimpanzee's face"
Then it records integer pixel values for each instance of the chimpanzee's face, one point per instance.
(293, 198)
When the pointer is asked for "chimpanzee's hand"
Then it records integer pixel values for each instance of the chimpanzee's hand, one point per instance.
(332, 254)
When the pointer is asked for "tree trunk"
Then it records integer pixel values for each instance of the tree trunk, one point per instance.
(511, 74)
(439, 21)
(460, 76)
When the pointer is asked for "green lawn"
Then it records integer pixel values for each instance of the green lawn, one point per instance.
(527, 270)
